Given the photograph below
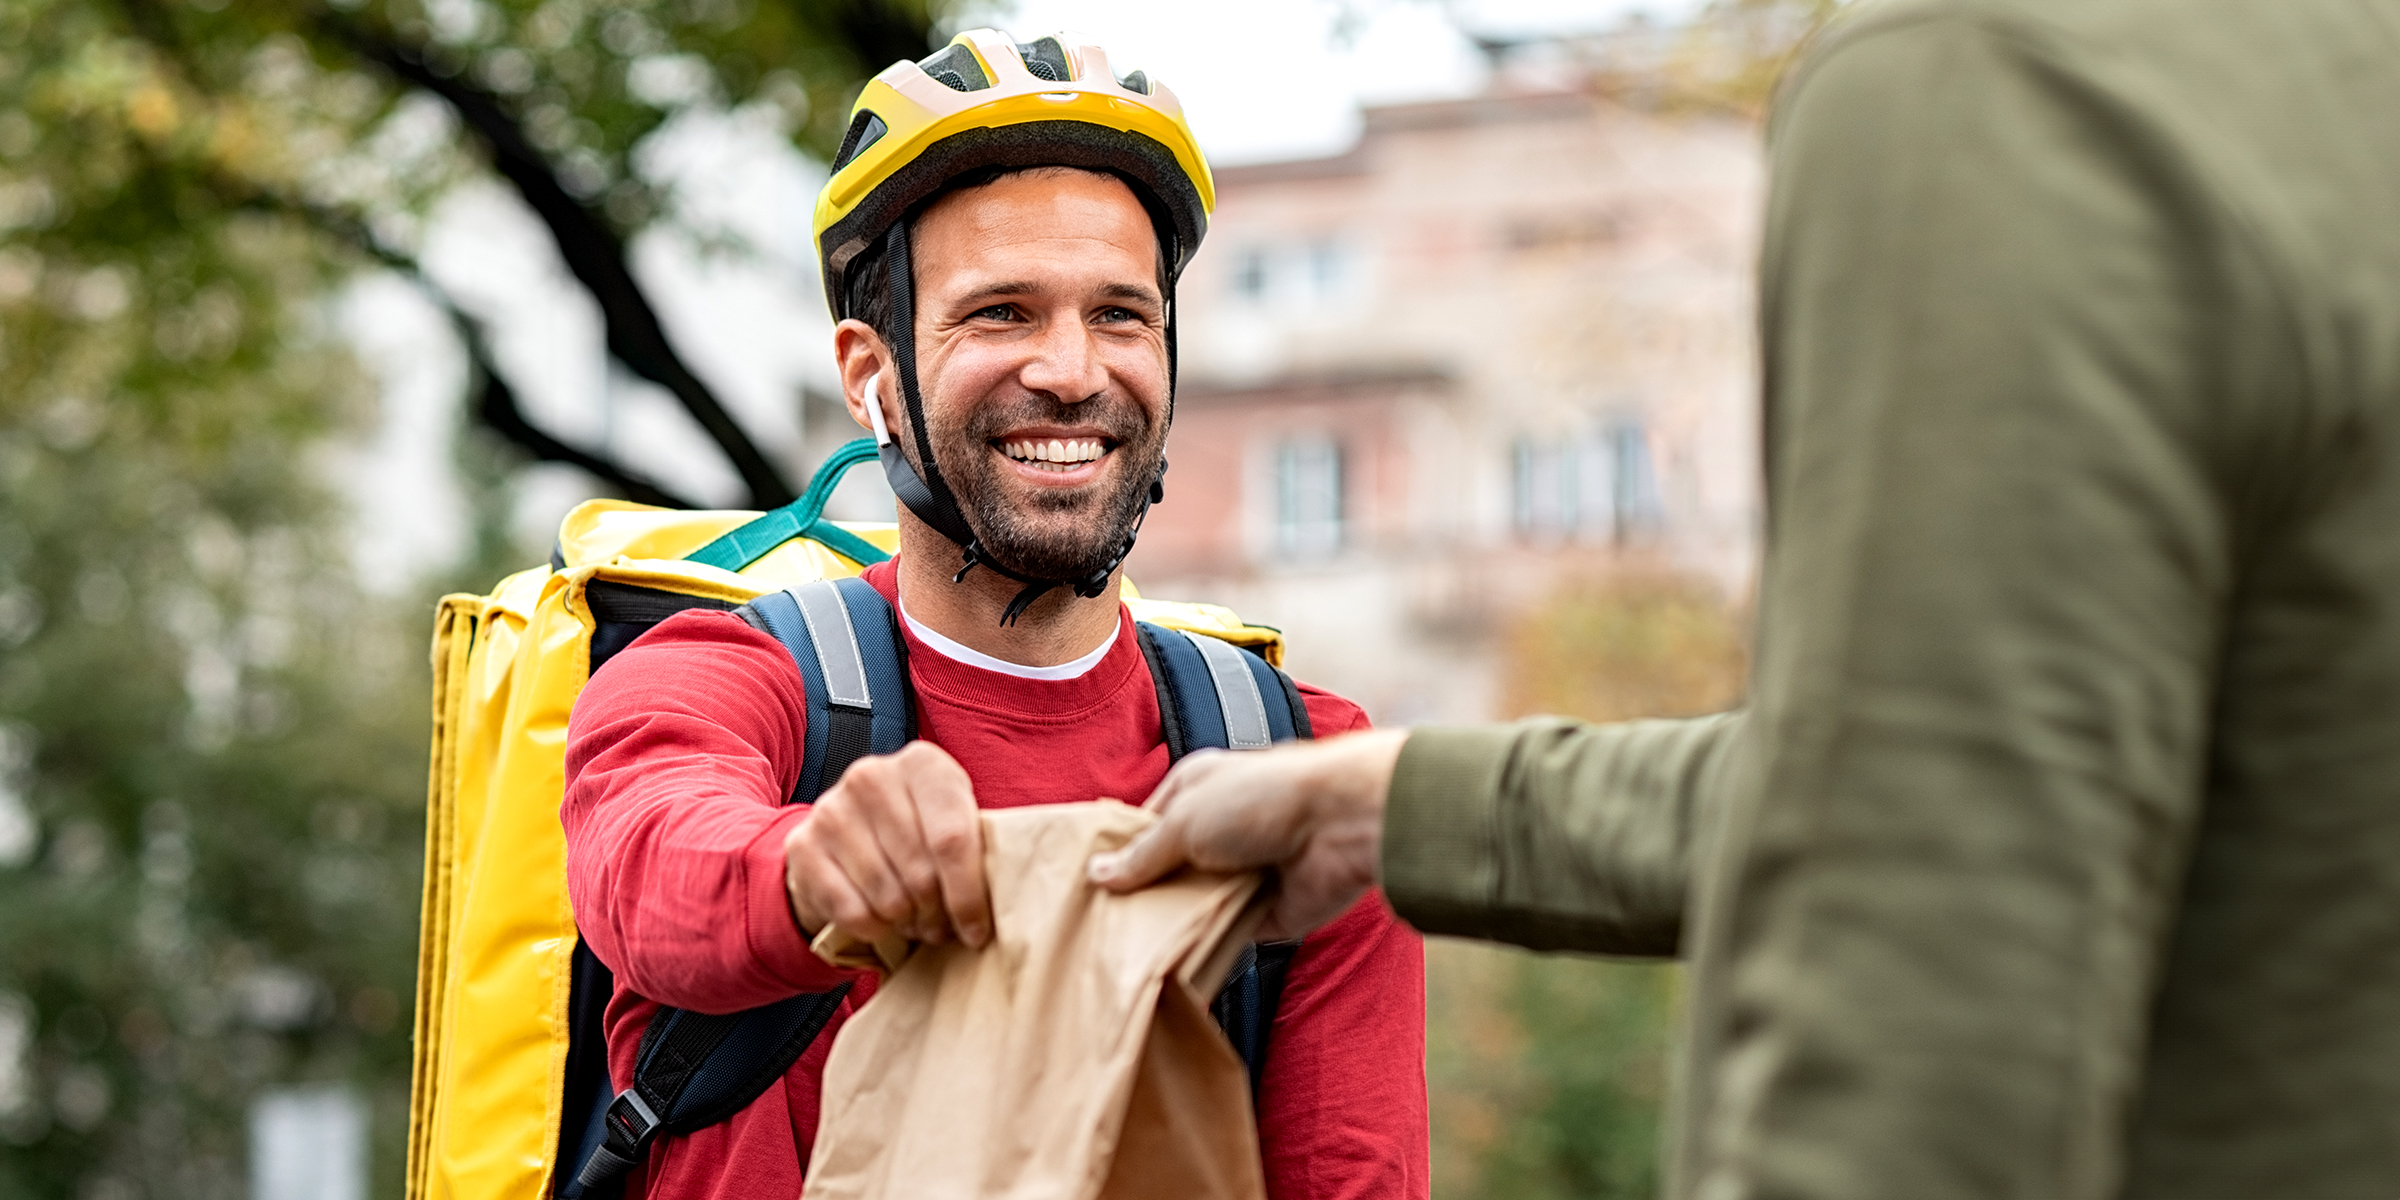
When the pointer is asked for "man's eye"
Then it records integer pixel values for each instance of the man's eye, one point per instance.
(997, 312)
(1113, 315)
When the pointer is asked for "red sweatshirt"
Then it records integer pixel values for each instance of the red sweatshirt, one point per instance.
(679, 756)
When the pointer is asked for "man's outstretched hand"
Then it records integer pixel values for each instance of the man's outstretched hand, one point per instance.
(893, 847)
(1314, 812)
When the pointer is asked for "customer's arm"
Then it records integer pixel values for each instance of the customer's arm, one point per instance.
(1549, 833)
(1553, 834)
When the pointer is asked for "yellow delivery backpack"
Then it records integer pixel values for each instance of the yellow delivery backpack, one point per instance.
(503, 1094)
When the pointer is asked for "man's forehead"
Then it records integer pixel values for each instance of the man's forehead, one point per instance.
(1018, 220)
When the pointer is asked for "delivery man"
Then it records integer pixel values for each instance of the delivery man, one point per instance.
(1001, 236)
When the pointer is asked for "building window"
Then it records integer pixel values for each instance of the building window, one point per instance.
(1599, 486)
(1308, 498)
(1299, 276)
(1328, 268)
(1632, 482)
(1250, 275)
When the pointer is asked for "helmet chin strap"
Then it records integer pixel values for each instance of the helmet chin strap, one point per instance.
(929, 495)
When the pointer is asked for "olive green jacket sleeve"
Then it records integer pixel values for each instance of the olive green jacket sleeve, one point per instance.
(2024, 360)
(1553, 834)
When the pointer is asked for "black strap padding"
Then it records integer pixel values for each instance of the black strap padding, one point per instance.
(1302, 728)
(582, 1127)
(693, 1070)
(1170, 712)
(625, 603)
(622, 612)
(729, 1060)
(849, 734)
(1245, 1008)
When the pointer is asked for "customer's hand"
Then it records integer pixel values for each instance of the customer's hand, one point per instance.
(893, 848)
(1313, 811)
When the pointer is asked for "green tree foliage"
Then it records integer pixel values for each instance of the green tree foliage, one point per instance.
(203, 721)
(211, 742)
(1547, 1073)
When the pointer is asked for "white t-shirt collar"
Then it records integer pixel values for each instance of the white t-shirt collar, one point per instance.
(972, 657)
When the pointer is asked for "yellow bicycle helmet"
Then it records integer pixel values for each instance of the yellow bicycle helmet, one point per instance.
(986, 102)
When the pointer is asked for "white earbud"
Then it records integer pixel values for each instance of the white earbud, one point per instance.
(883, 436)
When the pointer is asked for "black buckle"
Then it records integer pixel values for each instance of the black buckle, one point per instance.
(630, 1123)
(631, 1127)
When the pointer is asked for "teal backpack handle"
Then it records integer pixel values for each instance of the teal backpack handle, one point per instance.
(802, 518)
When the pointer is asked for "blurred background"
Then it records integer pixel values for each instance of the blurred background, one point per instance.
(311, 312)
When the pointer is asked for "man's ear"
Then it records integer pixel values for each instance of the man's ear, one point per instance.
(860, 352)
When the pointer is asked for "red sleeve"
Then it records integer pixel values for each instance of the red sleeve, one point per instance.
(1342, 1103)
(680, 753)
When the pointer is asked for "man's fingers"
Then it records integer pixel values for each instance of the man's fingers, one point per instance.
(849, 911)
(900, 837)
(954, 842)
(823, 895)
(857, 855)
(1150, 855)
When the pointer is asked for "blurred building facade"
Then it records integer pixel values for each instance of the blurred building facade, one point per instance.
(1501, 343)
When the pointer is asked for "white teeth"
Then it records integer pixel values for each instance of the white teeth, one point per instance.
(1062, 451)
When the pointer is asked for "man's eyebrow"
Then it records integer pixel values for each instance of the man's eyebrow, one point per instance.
(1131, 291)
(991, 291)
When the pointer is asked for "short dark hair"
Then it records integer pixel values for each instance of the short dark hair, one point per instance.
(866, 283)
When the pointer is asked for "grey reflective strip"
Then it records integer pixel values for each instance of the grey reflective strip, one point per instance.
(845, 670)
(1237, 692)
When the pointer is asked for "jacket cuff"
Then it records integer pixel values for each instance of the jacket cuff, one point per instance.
(776, 942)
(1441, 827)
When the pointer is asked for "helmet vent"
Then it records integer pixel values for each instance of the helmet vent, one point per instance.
(955, 68)
(1139, 81)
(1047, 59)
(865, 130)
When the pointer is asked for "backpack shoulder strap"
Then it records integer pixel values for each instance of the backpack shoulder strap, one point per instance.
(846, 641)
(692, 1071)
(695, 1069)
(1214, 694)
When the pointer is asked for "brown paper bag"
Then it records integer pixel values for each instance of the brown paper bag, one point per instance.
(1072, 1059)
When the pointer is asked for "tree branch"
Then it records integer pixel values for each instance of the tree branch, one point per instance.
(591, 249)
(495, 401)
(878, 32)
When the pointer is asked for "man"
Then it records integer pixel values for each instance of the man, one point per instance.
(2057, 851)
(1007, 312)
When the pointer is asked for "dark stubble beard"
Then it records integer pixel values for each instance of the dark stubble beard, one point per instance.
(1052, 533)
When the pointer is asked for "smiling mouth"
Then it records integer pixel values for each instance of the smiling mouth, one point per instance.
(1053, 454)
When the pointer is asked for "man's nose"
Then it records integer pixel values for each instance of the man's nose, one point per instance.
(1065, 363)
